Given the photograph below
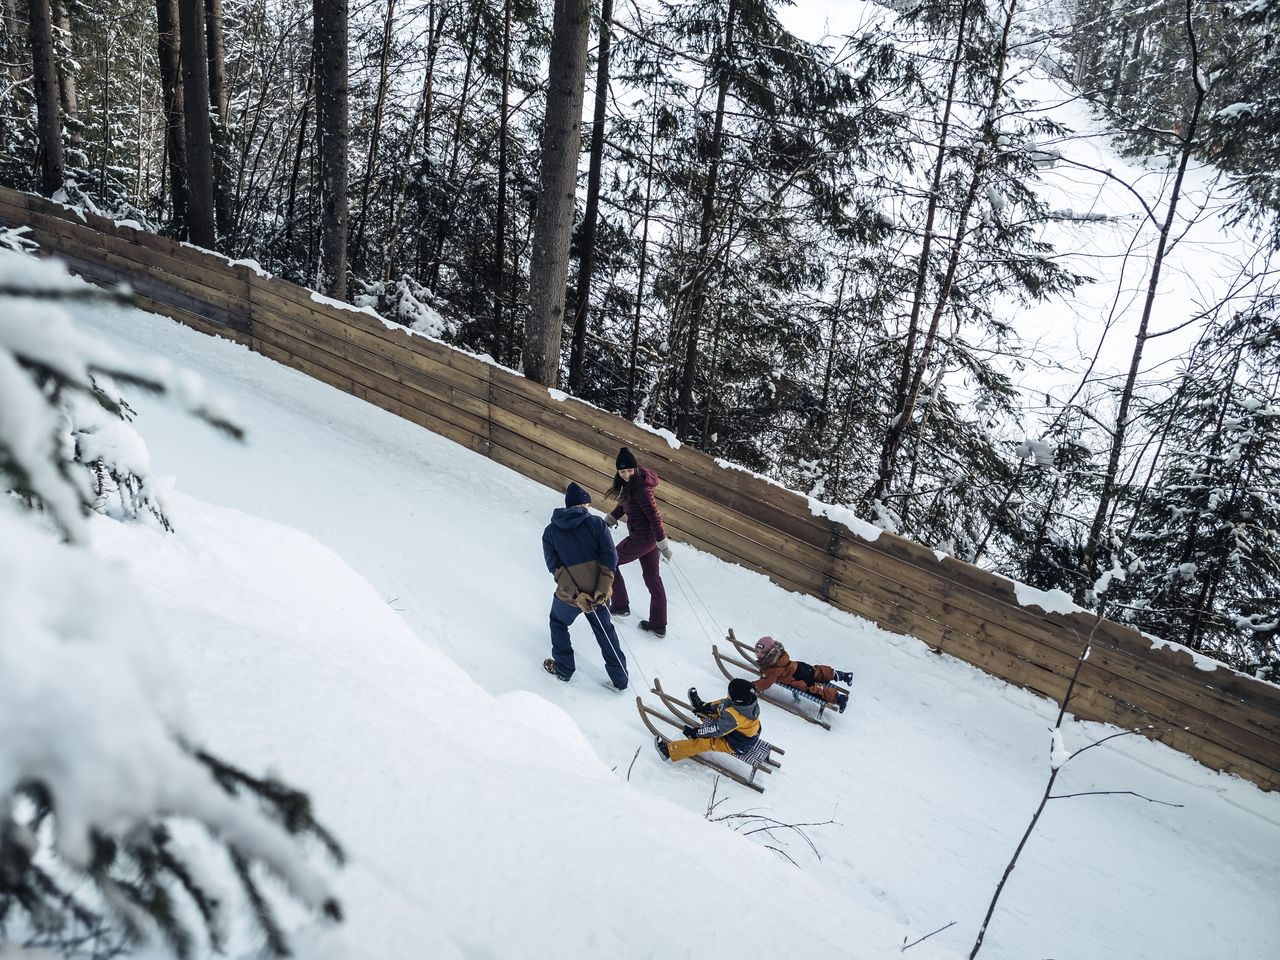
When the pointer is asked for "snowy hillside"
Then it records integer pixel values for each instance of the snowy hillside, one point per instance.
(362, 605)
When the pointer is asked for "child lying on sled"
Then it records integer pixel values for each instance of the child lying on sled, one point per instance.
(776, 666)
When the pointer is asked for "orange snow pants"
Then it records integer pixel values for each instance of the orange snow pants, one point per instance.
(822, 675)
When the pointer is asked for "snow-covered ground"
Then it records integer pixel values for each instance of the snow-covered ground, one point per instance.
(362, 605)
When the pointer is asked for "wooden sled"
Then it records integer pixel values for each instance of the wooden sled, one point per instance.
(779, 695)
(678, 720)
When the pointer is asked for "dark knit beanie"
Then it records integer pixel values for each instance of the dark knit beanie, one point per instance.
(626, 459)
(575, 496)
(742, 691)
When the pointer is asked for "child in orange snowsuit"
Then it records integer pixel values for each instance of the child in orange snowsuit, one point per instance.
(776, 666)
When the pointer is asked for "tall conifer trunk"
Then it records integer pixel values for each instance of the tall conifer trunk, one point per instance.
(553, 226)
(500, 228)
(697, 281)
(215, 51)
(371, 159)
(48, 119)
(331, 131)
(67, 77)
(202, 228)
(168, 45)
(586, 260)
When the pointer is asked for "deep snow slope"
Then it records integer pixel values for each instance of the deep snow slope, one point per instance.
(496, 827)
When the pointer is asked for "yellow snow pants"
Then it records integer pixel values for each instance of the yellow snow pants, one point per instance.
(683, 749)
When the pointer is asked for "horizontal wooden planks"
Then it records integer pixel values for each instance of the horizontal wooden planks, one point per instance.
(353, 385)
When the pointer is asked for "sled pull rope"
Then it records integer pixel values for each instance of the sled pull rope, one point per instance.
(680, 576)
(632, 657)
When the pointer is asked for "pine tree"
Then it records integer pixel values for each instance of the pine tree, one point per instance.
(91, 868)
(1204, 547)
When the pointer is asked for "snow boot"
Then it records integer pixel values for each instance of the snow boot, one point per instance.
(648, 627)
(843, 676)
(696, 701)
(620, 612)
(549, 665)
(661, 746)
(842, 701)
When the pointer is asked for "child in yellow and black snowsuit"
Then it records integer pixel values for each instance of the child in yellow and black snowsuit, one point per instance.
(731, 725)
(776, 666)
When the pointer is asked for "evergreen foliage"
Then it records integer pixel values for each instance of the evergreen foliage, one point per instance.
(95, 870)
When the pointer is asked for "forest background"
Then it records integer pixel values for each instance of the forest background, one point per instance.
(832, 262)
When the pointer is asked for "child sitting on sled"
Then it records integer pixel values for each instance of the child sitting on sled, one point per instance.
(776, 666)
(731, 725)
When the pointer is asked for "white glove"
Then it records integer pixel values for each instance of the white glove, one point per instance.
(664, 548)
(610, 520)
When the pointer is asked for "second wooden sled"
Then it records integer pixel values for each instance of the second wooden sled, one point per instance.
(678, 719)
(781, 696)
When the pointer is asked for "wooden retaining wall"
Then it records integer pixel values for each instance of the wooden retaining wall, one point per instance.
(1223, 719)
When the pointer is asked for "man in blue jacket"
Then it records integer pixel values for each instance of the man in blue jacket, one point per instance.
(579, 553)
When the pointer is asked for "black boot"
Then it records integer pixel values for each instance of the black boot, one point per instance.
(549, 665)
(650, 628)
(842, 701)
(661, 746)
(695, 701)
(843, 676)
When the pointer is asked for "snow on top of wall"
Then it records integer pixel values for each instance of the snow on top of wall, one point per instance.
(1050, 601)
(351, 307)
(250, 264)
(666, 435)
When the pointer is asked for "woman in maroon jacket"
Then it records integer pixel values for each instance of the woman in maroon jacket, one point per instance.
(633, 489)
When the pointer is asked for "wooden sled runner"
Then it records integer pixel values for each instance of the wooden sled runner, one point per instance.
(681, 714)
(781, 696)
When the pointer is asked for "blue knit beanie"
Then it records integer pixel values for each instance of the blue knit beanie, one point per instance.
(575, 496)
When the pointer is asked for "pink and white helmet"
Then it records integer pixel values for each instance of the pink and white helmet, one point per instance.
(764, 645)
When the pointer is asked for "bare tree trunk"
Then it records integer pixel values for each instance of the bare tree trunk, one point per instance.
(107, 55)
(297, 154)
(444, 225)
(500, 230)
(331, 130)
(195, 85)
(11, 48)
(644, 262)
(224, 206)
(586, 260)
(379, 106)
(168, 45)
(428, 107)
(561, 142)
(397, 206)
(893, 436)
(216, 51)
(989, 135)
(697, 279)
(1166, 229)
(67, 77)
(48, 120)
